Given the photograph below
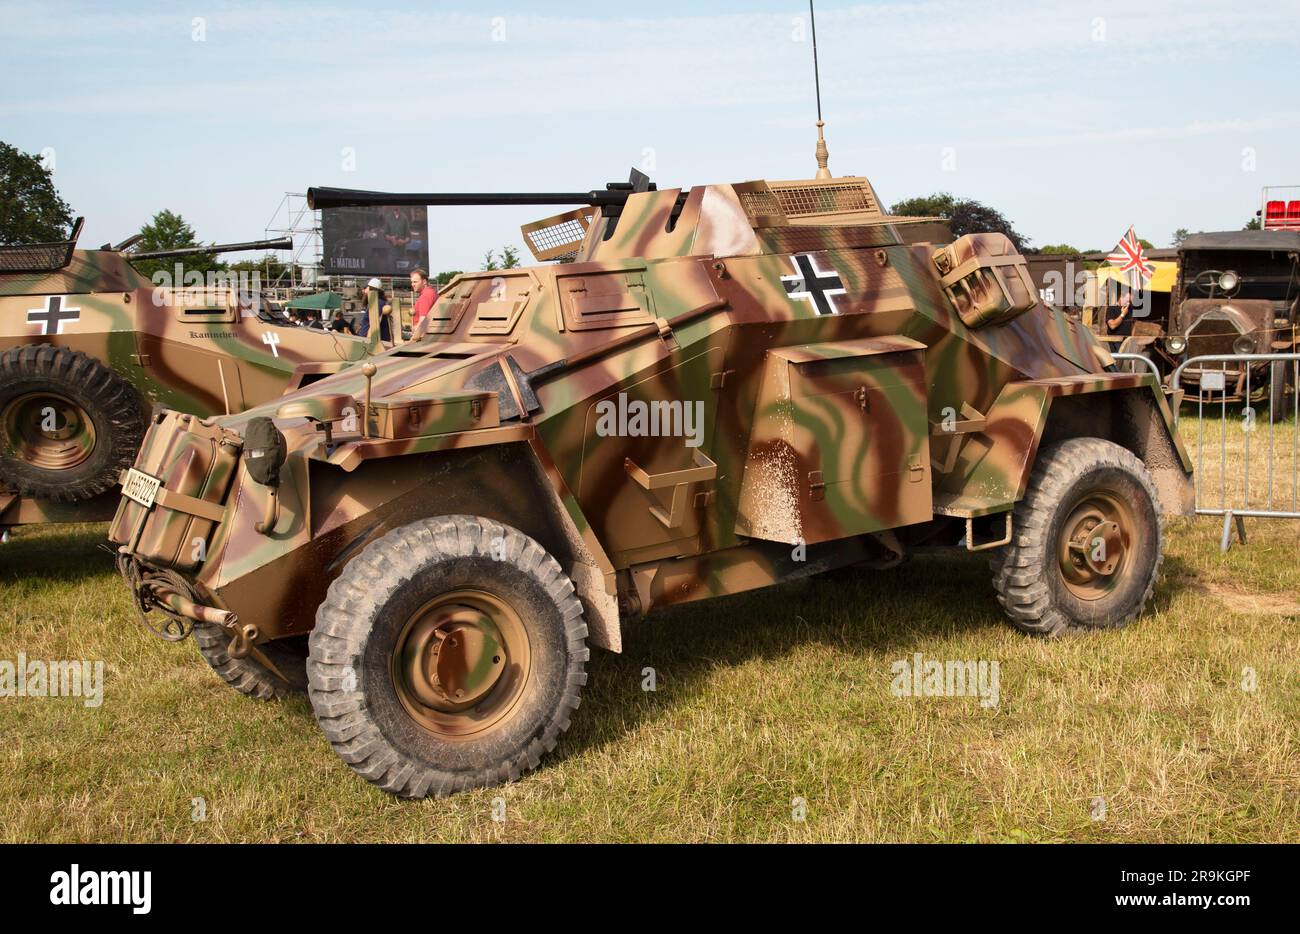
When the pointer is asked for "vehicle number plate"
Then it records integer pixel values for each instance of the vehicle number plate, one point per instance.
(1213, 380)
(140, 487)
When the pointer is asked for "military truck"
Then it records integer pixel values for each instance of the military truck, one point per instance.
(1238, 292)
(717, 389)
(88, 345)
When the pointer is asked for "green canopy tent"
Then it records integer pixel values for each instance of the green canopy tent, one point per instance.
(319, 301)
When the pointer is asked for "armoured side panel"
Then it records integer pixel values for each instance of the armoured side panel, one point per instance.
(840, 444)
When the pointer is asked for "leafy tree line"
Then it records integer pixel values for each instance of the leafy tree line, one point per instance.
(31, 210)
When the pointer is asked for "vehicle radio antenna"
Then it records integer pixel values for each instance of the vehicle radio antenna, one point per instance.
(823, 171)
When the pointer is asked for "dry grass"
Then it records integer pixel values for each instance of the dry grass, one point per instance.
(762, 698)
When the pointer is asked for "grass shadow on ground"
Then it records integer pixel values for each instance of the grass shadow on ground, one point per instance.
(56, 554)
(934, 599)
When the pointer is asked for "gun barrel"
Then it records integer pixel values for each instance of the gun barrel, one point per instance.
(348, 197)
(282, 243)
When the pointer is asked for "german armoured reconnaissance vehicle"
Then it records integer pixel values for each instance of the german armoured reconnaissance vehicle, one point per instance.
(718, 389)
(88, 345)
(1238, 292)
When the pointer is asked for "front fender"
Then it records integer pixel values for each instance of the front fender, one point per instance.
(990, 474)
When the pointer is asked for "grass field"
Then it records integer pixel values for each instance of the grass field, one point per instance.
(1147, 734)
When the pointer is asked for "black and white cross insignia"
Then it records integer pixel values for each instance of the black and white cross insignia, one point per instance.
(53, 316)
(816, 285)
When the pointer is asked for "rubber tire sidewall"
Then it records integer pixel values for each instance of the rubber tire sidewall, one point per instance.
(543, 690)
(1143, 553)
(1026, 574)
(247, 675)
(118, 434)
(350, 665)
(1279, 389)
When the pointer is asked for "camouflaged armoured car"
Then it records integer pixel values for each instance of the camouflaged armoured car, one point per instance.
(718, 389)
(88, 345)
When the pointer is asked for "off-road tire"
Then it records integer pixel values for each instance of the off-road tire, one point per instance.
(1026, 577)
(249, 676)
(110, 403)
(354, 691)
(1280, 389)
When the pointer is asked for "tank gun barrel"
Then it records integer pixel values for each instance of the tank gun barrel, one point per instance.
(282, 243)
(615, 193)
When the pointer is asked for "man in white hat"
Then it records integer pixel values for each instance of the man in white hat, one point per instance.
(385, 311)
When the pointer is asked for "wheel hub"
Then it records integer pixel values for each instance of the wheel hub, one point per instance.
(48, 431)
(1094, 545)
(460, 663)
(452, 661)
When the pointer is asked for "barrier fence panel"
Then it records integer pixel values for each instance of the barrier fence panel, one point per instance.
(1246, 450)
(1138, 358)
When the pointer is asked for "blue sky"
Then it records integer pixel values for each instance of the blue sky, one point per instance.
(1074, 119)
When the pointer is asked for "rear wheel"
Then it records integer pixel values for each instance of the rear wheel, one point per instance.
(448, 655)
(68, 424)
(1088, 541)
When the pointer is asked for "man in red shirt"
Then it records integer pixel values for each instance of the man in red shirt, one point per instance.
(426, 294)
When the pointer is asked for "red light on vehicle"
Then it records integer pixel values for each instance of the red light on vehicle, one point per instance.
(1275, 214)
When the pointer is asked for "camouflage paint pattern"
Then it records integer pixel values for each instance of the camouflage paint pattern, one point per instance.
(843, 406)
(211, 355)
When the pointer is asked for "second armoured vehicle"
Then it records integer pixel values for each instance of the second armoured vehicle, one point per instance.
(88, 345)
(720, 388)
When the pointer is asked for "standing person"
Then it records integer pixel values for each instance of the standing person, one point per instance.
(426, 295)
(385, 330)
(1119, 319)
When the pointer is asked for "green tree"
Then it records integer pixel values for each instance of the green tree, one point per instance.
(31, 210)
(169, 231)
(964, 216)
(442, 278)
(1061, 248)
(508, 258)
(269, 268)
(1181, 234)
(1253, 224)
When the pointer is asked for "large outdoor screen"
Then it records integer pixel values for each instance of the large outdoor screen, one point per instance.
(375, 241)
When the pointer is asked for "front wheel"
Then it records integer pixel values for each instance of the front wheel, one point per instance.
(448, 655)
(1279, 388)
(1088, 541)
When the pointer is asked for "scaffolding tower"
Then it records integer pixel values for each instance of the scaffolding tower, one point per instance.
(295, 218)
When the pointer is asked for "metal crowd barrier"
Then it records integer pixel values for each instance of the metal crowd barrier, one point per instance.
(1244, 487)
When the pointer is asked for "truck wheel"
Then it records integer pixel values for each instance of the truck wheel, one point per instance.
(249, 676)
(448, 655)
(68, 424)
(1088, 541)
(1279, 376)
